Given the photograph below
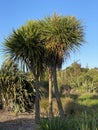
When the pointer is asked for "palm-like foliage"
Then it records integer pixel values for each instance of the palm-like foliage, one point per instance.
(14, 88)
(24, 45)
(21, 43)
(55, 37)
(61, 35)
(8, 76)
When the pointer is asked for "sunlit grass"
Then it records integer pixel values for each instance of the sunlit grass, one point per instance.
(89, 100)
(84, 102)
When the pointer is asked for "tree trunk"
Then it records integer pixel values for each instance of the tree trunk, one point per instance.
(59, 103)
(3, 102)
(50, 92)
(37, 96)
(37, 102)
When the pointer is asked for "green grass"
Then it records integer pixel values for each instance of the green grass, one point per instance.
(81, 113)
(72, 122)
(84, 102)
(90, 101)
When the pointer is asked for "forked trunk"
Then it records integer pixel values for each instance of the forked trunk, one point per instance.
(59, 103)
(50, 92)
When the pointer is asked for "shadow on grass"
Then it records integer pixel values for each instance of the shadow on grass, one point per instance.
(74, 108)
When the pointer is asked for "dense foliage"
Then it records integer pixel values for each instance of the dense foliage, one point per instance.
(78, 78)
(17, 92)
(45, 43)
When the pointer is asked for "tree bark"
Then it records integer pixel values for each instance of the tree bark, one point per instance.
(50, 92)
(37, 102)
(37, 96)
(57, 95)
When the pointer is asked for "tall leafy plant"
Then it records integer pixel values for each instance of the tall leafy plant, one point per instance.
(24, 46)
(61, 35)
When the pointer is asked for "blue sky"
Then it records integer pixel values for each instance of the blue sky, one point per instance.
(14, 13)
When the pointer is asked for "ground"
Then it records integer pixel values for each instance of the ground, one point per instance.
(23, 121)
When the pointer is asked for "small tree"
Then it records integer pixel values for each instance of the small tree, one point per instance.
(24, 46)
(61, 35)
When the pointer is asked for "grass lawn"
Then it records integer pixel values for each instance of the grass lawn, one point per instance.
(73, 103)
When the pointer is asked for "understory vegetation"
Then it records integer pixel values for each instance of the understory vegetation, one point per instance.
(78, 88)
(80, 102)
(71, 122)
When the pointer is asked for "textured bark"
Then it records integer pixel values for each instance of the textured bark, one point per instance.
(59, 103)
(37, 96)
(37, 102)
(50, 92)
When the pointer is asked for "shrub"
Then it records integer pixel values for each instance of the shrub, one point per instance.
(72, 107)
